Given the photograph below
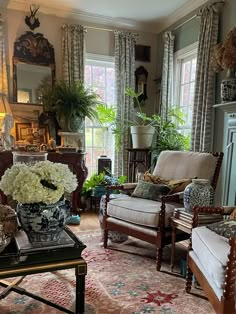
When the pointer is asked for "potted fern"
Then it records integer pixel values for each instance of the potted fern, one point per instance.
(71, 103)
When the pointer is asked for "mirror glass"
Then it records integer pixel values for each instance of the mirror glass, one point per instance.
(33, 67)
(30, 81)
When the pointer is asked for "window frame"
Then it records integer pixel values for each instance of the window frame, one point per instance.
(181, 55)
(101, 60)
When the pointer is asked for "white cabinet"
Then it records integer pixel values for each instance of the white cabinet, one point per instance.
(229, 184)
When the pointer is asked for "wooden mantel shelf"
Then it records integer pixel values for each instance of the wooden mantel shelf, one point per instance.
(229, 107)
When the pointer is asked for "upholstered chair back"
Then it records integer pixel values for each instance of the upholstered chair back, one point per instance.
(185, 165)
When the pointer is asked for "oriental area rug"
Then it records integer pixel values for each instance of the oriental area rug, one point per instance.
(117, 283)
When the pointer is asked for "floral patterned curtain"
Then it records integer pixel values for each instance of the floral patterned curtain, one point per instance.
(73, 49)
(201, 137)
(124, 71)
(3, 66)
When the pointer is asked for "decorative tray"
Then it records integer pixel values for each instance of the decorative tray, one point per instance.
(20, 245)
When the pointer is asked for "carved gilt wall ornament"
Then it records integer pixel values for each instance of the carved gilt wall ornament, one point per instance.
(35, 48)
(31, 20)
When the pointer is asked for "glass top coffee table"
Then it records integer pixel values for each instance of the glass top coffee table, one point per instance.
(20, 259)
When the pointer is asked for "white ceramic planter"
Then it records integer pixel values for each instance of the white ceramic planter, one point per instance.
(142, 136)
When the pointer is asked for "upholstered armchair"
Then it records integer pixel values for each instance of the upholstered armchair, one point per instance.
(212, 260)
(147, 219)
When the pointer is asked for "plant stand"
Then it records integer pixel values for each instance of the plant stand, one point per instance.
(72, 139)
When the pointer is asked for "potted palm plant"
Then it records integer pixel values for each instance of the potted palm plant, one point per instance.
(71, 103)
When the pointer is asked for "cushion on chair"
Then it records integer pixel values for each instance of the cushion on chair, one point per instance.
(181, 165)
(174, 185)
(212, 251)
(150, 191)
(139, 211)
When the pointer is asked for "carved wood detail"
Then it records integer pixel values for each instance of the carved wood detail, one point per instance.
(34, 48)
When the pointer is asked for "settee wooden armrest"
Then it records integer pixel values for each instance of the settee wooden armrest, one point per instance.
(205, 210)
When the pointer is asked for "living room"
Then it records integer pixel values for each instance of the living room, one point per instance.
(146, 26)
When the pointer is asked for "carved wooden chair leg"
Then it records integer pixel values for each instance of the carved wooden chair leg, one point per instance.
(189, 278)
(159, 258)
(105, 238)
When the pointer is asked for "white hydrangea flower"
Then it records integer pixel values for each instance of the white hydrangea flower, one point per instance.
(44, 182)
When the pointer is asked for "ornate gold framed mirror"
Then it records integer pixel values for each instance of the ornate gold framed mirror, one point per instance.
(33, 67)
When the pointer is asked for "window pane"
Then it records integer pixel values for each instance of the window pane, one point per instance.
(193, 70)
(88, 136)
(186, 93)
(186, 72)
(99, 137)
(192, 87)
(98, 76)
(101, 92)
(88, 75)
(110, 96)
(98, 140)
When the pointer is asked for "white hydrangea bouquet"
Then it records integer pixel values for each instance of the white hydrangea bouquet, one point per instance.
(44, 182)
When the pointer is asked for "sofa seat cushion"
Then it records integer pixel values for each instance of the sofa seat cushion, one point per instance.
(212, 251)
(139, 211)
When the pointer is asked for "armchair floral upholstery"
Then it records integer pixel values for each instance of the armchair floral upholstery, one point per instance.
(148, 220)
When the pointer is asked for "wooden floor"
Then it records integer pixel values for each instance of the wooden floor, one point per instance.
(89, 222)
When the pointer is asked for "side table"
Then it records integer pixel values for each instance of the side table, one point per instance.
(178, 224)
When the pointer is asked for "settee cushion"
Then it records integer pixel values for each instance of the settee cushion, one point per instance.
(149, 190)
(212, 251)
(139, 211)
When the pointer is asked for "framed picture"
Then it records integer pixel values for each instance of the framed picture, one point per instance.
(25, 132)
(143, 53)
(24, 95)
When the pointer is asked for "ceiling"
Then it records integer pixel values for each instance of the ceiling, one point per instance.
(148, 15)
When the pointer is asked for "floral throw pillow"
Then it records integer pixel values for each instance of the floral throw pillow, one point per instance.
(150, 191)
(226, 228)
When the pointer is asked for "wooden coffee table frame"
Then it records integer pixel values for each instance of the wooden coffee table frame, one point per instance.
(47, 261)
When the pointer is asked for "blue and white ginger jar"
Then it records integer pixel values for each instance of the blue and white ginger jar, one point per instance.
(198, 193)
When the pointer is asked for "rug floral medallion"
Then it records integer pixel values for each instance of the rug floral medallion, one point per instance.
(121, 280)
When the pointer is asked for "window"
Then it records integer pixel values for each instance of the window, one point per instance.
(99, 76)
(184, 77)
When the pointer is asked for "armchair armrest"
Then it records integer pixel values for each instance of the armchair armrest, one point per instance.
(176, 197)
(123, 187)
(205, 210)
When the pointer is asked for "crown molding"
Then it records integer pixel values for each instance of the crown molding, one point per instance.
(181, 12)
(65, 12)
(152, 27)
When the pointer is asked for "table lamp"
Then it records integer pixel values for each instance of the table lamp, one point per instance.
(4, 105)
(7, 123)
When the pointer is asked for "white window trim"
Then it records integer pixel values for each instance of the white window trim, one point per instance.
(99, 58)
(178, 56)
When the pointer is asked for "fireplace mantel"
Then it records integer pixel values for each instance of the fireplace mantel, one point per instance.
(228, 107)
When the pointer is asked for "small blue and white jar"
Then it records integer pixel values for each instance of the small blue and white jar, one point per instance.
(198, 193)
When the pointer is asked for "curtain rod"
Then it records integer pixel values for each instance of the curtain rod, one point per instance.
(196, 15)
(101, 29)
(188, 20)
